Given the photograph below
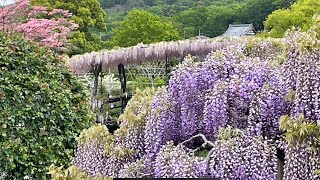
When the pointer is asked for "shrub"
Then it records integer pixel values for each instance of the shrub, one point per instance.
(42, 109)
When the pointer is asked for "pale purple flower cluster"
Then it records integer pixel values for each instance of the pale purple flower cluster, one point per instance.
(266, 108)
(91, 158)
(134, 169)
(186, 93)
(301, 162)
(177, 162)
(216, 108)
(301, 73)
(243, 157)
(226, 89)
(158, 129)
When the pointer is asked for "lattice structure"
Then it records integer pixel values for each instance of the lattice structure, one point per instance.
(111, 90)
(147, 75)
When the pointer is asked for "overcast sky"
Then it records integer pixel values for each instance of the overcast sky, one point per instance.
(7, 2)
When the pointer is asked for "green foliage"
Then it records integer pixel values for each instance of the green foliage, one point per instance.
(300, 15)
(42, 109)
(227, 133)
(142, 82)
(316, 26)
(137, 109)
(71, 173)
(256, 11)
(211, 21)
(142, 26)
(282, 3)
(57, 173)
(111, 3)
(88, 15)
(171, 5)
(203, 153)
(299, 129)
(290, 96)
(214, 20)
(188, 16)
(97, 133)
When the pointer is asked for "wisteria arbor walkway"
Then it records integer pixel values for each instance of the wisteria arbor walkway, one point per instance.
(102, 62)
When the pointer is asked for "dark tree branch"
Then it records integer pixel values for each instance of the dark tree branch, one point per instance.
(209, 156)
(206, 145)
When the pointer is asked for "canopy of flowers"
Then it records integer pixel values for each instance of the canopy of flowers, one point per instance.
(147, 53)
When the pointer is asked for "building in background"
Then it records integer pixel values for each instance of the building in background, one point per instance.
(240, 30)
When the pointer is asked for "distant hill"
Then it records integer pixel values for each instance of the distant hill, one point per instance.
(178, 3)
(210, 17)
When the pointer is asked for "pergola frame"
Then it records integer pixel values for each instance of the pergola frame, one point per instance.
(99, 62)
(141, 53)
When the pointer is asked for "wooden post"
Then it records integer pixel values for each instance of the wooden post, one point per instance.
(167, 70)
(123, 82)
(97, 68)
(96, 71)
(280, 169)
(280, 163)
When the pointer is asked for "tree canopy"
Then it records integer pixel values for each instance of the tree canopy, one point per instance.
(211, 18)
(37, 23)
(142, 26)
(300, 15)
(42, 109)
(88, 15)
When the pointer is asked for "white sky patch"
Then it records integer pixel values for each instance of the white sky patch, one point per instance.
(6, 2)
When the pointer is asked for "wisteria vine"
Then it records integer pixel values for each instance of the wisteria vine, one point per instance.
(227, 108)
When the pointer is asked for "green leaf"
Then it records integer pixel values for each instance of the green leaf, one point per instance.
(283, 121)
(38, 136)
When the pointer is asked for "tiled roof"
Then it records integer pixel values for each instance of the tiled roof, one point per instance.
(239, 30)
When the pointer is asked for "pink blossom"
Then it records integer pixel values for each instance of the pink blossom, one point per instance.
(13, 14)
(38, 10)
(49, 30)
(62, 12)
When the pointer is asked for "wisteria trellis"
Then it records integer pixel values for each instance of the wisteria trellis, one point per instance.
(243, 88)
(146, 53)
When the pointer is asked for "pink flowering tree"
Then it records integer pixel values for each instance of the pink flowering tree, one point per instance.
(37, 23)
(11, 15)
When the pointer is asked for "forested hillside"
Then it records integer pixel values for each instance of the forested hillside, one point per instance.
(210, 17)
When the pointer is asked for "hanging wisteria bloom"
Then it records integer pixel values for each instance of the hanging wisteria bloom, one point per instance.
(225, 109)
